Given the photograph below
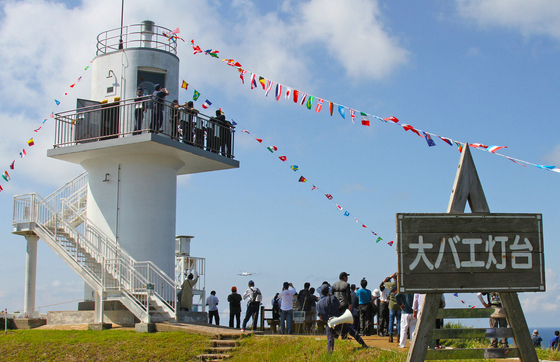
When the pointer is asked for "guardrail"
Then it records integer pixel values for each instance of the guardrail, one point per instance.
(146, 35)
(130, 117)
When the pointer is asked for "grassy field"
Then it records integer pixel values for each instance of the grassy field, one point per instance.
(126, 345)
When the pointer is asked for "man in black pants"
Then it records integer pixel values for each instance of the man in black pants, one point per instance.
(255, 297)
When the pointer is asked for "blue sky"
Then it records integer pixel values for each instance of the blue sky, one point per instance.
(477, 71)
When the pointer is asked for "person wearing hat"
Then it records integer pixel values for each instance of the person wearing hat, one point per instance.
(286, 308)
(341, 290)
(234, 300)
(255, 297)
(139, 110)
(186, 291)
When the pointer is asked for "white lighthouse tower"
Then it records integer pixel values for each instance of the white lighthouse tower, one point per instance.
(116, 224)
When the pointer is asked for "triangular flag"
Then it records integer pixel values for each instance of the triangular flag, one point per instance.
(1, 189)
(338, 207)
(13, 165)
(302, 179)
(258, 139)
(37, 130)
(196, 95)
(313, 188)
(185, 85)
(390, 243)
(283, 158)
(294, 167)
(378, 240)
(57, 102)
(72, 86)
(365, 119)
(329, 196)
(30, 142)
(272, 148)
(5, 178)
(341, 111)
(346, 213)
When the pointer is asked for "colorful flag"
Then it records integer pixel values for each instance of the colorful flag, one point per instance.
(302, 179)
(288, 92)
(195, 96)
(23, 153)
(329, 196)
(365, 119)
(319, 105)
(346, 213)
(283, 158)
(303, 97)
(1, 189)
(245, 131)
(341, 111)
(278, 91)
(364, 226)
(338, 207)
(268, 87)
(408, 127)
(37, 130)
(51, 115)
(352, 115)
(392, 119)
(253, 81)
(296, 94)
(545, 167)
(313, 188)
(262, 82)
(206, 104)
(373, 232)
(390, 243)
(459, 145)
(429, 139)
(241, 73)
(495, 148)
(294, 167)
(456, 294)
(13, 165)
(446, 140)
(5, 178)
(7, 175)
(185, 85)
(196, 49)
(258, 139)
(378, 239)
(272, 148)
(478, 145)
(310, 102)
(331, 107)
(513, 160)
(30, 142)
(57, 102)
(72, 86)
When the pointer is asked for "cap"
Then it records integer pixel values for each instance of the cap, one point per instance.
(251, 282)
(139, 89)
(535, 332)
(376, 292)
(342, 275)
(234, 289)
(286, 285)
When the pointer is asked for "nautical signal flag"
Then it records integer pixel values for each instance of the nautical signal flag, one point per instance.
(319, 105)
(294, 167)
(329, 196)
(13, 165)
(346, 213)
(30, 142)
(302, 179)
(185, 85)
(57, 102)
(196, 95)
(283, 158)
(365, 119)
(272, 148)
(23, 153)
(206, 104)
(262, 82)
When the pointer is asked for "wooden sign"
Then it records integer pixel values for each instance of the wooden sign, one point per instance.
(470, 253)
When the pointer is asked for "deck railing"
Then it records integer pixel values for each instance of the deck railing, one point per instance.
(145, 35)
(130, 117)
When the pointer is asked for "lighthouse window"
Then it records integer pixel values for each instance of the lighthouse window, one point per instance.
(147, 80)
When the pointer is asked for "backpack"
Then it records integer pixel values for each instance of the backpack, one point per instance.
(256, 296)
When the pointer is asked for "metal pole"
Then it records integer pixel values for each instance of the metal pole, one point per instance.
(122, 17)
(6, 321)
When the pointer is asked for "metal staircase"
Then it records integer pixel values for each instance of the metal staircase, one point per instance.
(60, 221)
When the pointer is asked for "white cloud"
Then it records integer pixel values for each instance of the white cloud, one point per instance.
(535, 17)
(554, 156)
(547, 301)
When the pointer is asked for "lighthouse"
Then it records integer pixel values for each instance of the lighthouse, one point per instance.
(133, 142)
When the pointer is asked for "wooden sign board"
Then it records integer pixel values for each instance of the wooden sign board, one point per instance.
(452, 253)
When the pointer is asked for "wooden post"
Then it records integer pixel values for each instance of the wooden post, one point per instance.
(424, 328)
(518, 324)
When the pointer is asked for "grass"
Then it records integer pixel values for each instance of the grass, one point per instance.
(109, 345)
(126, 345)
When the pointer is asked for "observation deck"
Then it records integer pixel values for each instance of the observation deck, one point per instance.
(145, 35)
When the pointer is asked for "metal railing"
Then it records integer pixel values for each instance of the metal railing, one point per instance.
(130, 117)
(98, 256)
(145, 35)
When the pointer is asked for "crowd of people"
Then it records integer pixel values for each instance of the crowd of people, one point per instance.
(396, 313)
(214, 134)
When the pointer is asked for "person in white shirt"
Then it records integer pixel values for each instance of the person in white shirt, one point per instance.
(286, 309)
(212, 303)
(255, 297)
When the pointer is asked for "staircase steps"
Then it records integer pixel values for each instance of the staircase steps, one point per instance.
(221, 349)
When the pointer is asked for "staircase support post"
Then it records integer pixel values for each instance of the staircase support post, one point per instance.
(30, 275)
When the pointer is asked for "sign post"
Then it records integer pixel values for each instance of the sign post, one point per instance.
(459, 252)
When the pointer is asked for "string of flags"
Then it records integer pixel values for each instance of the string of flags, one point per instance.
(302, 179)
(31, 141)
(462, 301)
(290, 93)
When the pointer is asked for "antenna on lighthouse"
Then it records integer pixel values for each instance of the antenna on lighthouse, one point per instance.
(122, 18)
